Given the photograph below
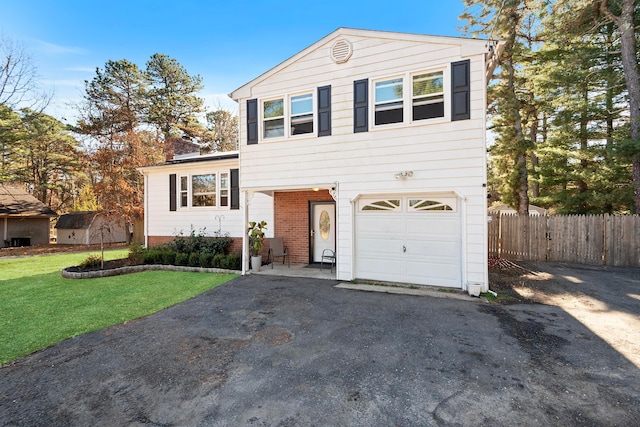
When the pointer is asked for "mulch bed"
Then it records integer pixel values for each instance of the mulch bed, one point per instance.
(108, 265)
(54, 249)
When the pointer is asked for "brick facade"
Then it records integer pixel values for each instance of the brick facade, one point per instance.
(291, 217)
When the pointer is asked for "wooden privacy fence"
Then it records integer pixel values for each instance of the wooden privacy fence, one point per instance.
(583, 239)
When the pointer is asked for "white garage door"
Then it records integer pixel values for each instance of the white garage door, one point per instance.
(409, 239)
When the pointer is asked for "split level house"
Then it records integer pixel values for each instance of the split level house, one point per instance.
(196, 193)
(368, 144)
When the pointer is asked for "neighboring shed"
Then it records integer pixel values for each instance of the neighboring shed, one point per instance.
(86, 228)
(23, 218)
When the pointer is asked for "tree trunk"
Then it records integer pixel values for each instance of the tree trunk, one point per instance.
(514, 105)
(624, 22)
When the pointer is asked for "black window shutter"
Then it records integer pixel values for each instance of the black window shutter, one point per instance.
(252, 121)
(361, 105)
(172, 192)
(460, 90)
(235, 189)
(324, 111)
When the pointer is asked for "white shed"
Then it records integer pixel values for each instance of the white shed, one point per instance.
(89, 228)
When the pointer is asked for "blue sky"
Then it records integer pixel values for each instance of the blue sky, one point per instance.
(228, 43)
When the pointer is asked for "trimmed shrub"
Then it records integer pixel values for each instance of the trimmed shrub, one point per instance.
(137, 254)
(231, 262)
(181, 259)
(91, 261)
(206, 260)
(194, 259)
(168, 257)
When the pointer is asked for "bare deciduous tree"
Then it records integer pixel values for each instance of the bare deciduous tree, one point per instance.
(19, 77)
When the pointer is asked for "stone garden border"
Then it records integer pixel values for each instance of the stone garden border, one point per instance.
(137, 269)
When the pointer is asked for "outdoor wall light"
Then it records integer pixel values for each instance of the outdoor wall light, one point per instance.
(403, 174)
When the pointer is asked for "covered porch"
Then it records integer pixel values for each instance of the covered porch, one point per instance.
(314, 271)
(305, 219)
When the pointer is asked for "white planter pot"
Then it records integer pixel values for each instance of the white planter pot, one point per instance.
(474, 289)
(256, 263)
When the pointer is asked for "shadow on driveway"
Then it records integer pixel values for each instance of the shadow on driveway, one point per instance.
(604, 299)
(276, 351)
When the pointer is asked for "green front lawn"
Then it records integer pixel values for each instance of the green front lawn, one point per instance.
(39, 308)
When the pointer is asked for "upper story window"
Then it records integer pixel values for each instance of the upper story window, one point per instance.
(297, 114)
(296, 119)
(388, 102)
(410, 98)
(273, 118)
(428, 96)
(302, 114)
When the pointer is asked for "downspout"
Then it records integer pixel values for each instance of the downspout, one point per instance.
(146, 210)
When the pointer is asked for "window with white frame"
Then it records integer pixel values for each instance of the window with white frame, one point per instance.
(184, 191)
(205, 190)
(301, 114)
(273, 118)
(410, 98)
(388, 102)
(296, 119)
(224, 189)
(428, 95)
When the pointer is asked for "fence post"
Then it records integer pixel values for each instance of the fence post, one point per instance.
(499, 235)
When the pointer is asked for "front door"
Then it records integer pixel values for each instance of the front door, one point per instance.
(323, 229)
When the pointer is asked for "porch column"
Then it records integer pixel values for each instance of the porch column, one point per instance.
(245, 225)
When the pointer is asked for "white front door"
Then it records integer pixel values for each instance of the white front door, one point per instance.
(323, 230)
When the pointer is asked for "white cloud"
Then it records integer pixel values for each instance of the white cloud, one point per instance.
(54, 49)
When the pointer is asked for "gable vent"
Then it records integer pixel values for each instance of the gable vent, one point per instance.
(341, 51)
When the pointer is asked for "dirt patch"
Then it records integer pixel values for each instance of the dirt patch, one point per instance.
(54, 249)
(508, 279)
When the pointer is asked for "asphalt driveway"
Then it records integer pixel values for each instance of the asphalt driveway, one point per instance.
(275, 351)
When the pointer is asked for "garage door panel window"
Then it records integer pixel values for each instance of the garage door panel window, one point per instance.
(381, 205)
(426, 205)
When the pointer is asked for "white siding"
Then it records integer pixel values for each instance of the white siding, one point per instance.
(443, 155)
(160, 221)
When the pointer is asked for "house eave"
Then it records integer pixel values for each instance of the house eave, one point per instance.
(191, 160)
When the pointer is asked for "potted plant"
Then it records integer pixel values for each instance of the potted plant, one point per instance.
(256, 240)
